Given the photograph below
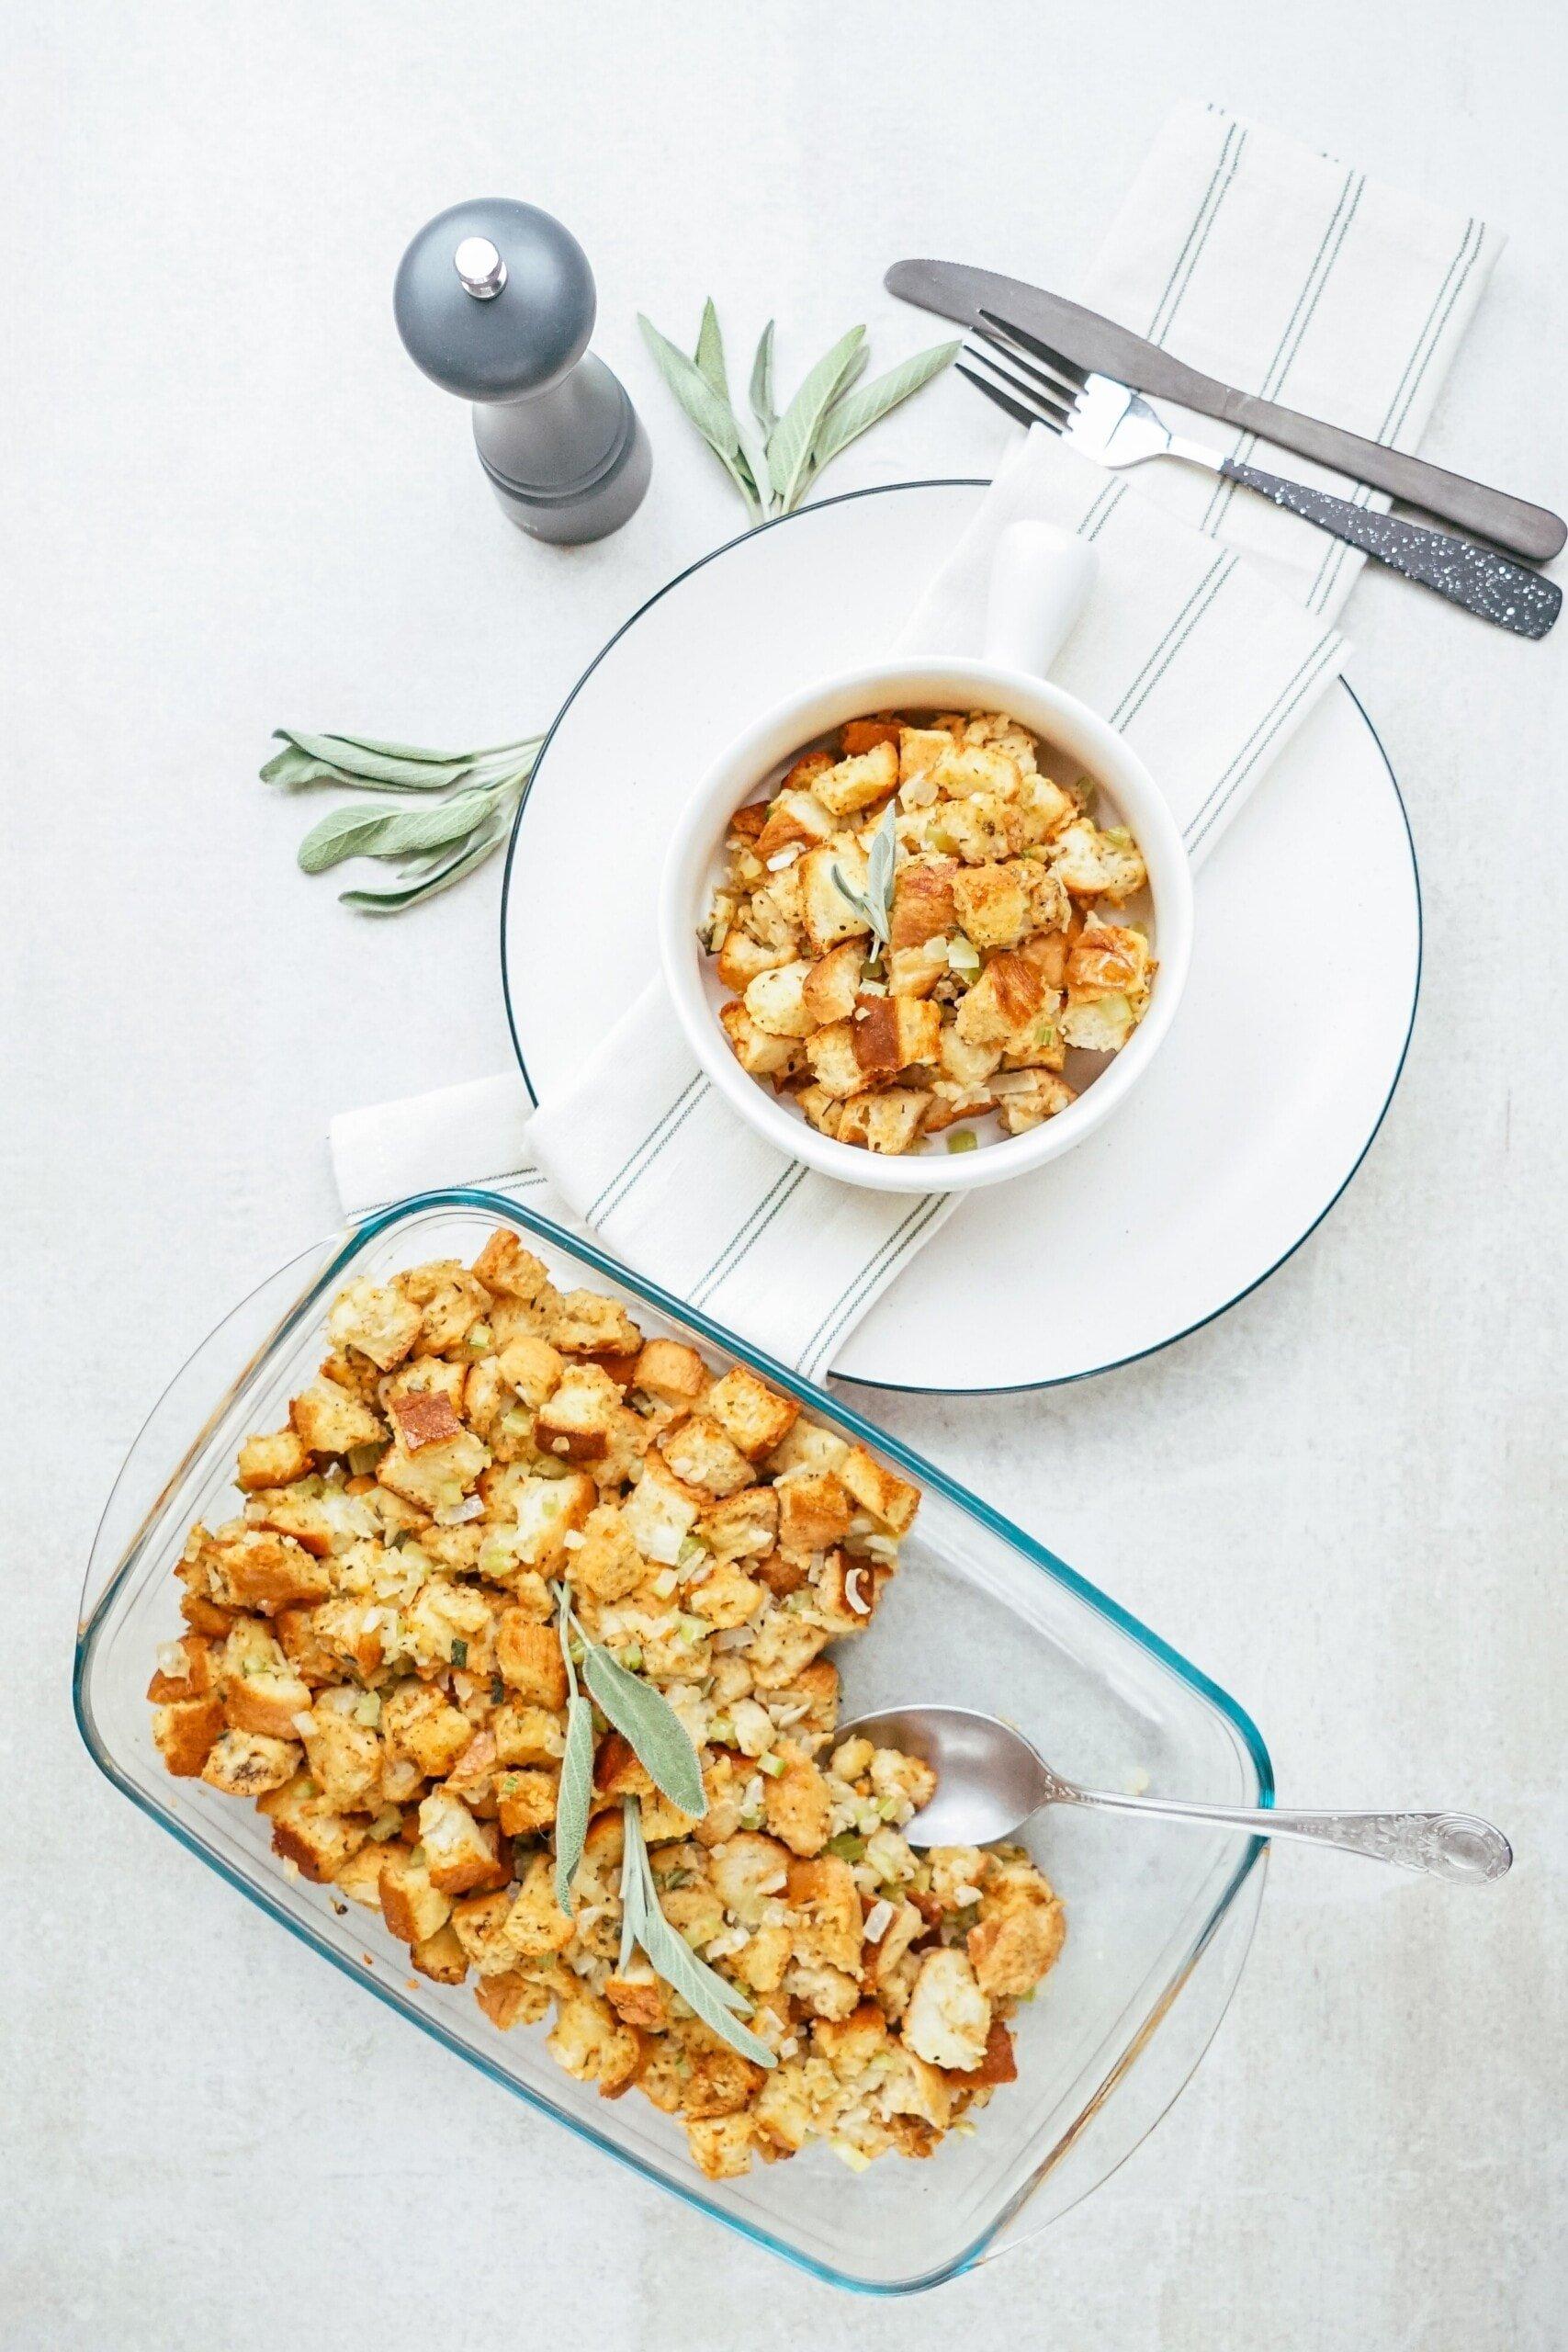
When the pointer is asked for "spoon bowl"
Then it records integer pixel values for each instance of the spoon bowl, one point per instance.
(990, 1779)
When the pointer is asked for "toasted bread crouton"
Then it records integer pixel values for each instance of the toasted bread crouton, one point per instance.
(450, 1300)
(577, 1421)
(829, 915)
(1108, 959)
(248, 1764)
(344, 1753)
(593, 2044)
(479, 1922)
(864, 734)
(776, 1001)
(819, 1108)
(826, 1919)
(890, 1033)
(891, 1499)
(548, 1511)
(418, 1721)
(781, 1572)
(964, 1063)
(423, 1418)
(527, 1735)
(437, 1474)
(380, 1321)
(924, 902)
(776, 914)
(914, 971)
(948, 2022)
(187, 1669)
(1095, 865)
(360, 1876)
(449, 1622)
(411, 1905)
(508, 1270)
(860, 780)
(919, 749)
(744, 1526)
(607, 1565)
(1025, 1097)
(275, 1460)
(755, 1418)
(536, 1925)
(907, 1778)
(263, 1691)
(440, 1957)
(671, 1373)
(250, 1568)
(617, 1774)
(526, 1801)
(185, 1732)
(529, 1660)
(750, 1872)
(797, 1807)
(848, 2044)
(726, 1596)
(783, 1650)
(662, 1511)
(824, 1992)
(889, 1121)
(966, 768)
(1009, 993)
(759, 1055)
(512, 1999)
(832, 983)
(637, 1996)
(462, 1855)
(721, 2145)
(814, 1511)
(984, 830)
(1098, 1025)
(795, 820)
(588, 1324)
(830, 1054)
(307, 1831)
(742, 958)
(330, 1420)
(1012, 1950)
(993, 903)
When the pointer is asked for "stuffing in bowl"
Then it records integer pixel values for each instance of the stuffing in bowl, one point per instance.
(926, 935)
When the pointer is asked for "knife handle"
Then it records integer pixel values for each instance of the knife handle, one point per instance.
(1507, 593)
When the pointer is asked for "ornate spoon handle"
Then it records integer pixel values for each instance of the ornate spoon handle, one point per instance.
(1449, 1845)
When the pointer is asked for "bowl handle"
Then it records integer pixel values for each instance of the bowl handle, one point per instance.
(1040, 583)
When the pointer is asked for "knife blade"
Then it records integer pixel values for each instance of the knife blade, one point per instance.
(955, 291)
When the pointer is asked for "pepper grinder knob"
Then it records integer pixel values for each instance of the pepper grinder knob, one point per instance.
(494, 301)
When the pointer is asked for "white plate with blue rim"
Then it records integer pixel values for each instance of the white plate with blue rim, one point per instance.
(1265, 1098)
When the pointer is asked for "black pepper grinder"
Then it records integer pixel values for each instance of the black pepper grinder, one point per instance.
(494, 301)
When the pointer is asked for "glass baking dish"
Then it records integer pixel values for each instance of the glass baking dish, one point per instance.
(981, 1614)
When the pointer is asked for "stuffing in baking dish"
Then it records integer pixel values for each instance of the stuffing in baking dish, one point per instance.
(501, 1518)
(918, 925)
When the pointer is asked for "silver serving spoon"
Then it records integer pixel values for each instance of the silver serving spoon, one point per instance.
(990, 1779)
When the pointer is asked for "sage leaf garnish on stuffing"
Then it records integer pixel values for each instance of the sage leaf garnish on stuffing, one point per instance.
(719, 2004)
(876, 902)
(639, 1712)
(472, 798)
(574, 1798)
(829, 409)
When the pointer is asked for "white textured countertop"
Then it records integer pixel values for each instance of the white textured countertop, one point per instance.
(230, 502)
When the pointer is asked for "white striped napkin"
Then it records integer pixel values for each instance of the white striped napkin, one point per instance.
(1207, 640)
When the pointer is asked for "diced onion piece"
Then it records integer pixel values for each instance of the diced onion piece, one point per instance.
(879, 1918)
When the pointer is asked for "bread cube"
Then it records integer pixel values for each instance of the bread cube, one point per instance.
(512, 1999)
(250, 1568)
(759, 1054)
(593, 2044)
(579, 1418)
(526, 1801)
(185, 1732)
(830, 1054)
(377, 1320)
(1026, 1097)
(890, 1033)
(776, 1001)
(754, 1416)
(441, 1956)
(275, 1460)
(331, 1421)
(947, 2020)
(1095, 865)
(1009, 993)
(462, 1855)
(307, 1831)
(924, 902)
(450, 1300)
(887, 1497)
(826, 1920)
(660, 1512)
(827, 915)
(797, 1807)
(891, 1120)
(529, 1659)
(993, 903)
(814, 1511)
(796, 819)
(536, 1925)
(831, 985)
(860, 781)
(249, 1764)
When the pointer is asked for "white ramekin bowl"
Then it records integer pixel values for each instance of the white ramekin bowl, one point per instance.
(1038, 587)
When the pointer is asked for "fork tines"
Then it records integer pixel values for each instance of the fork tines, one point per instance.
(1036, 393)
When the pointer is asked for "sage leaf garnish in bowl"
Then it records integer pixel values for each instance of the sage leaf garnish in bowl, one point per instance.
(471, 797)
(829, 409)
(874, 904)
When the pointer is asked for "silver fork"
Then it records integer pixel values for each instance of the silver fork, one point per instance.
(1118, 427)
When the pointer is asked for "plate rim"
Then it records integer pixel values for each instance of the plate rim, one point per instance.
(1157, 1347)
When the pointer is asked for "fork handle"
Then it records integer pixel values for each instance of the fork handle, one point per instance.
(1503, 592)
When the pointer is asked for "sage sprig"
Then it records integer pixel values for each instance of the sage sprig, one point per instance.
(574, 1798)
(874, 903)
(642, 1715)
(471, 800)
(709, 1995)
(830, 409)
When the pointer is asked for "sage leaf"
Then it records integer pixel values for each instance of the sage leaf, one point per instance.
(430, 882)
(851, 417)
(761, 391)
(336, 758)
(790, 443)
(710, 355)
(649, 1724)
(719, 2004)
(575, 1798)
(383, 831)
(880, 864)
(708, 410)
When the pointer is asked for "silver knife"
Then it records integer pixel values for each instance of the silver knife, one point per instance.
(953, 291)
